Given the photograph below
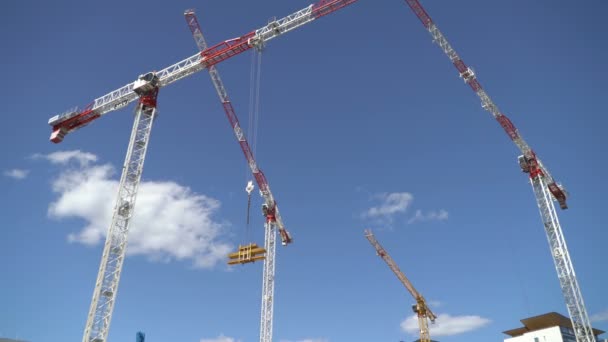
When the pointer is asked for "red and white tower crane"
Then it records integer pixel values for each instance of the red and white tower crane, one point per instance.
(545, 187)
(270, 208)
(146, 88)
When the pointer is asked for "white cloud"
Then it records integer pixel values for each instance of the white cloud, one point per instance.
(435, 303)
(600, 317)
(445, 325)
(433, 215)
(170, 222)
(220, 338)
(16, 173)
(64, 157)
(390, 205)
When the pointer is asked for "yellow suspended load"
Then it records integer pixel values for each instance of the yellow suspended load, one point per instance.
(245, 254)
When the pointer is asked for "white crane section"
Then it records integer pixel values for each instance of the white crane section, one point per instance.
(106, 286)
(561, 257)
(267, 312)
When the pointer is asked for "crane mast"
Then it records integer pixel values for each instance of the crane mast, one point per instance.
(421, 309)
(270, 206)
(106, 286)
(146, 88)
(267, 310)
(545, 188)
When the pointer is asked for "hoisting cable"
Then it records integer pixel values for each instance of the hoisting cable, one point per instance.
(254, 108)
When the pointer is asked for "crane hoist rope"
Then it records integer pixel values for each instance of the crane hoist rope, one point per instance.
(254, 101)
(253, 123)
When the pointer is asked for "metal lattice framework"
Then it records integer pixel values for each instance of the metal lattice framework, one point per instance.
(545, 188)
(267, 312)
(104, 295)
(563, 264)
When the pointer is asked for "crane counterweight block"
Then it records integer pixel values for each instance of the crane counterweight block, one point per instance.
(559, 193)
(78, 120)
(285, 237)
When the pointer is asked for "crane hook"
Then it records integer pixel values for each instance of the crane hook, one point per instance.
(249, 187)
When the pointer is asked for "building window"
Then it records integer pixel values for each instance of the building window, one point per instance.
(536, 339)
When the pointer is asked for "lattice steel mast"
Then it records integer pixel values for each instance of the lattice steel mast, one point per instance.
(106, 286)
(545, 188)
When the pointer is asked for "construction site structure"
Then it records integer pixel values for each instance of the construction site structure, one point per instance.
(546, 190)
(146, 88)
(270, 209)
(422, 310)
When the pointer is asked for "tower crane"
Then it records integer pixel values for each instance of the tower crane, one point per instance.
(546, 190)
(270, 208)
(421, 309)
(145, 89)
(259, 176)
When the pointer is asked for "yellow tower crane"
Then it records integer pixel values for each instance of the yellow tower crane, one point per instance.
(421, 309)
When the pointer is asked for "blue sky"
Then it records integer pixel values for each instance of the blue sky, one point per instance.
(364, 124)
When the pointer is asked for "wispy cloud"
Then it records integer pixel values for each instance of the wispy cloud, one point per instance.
(16, 173)
(65, 157)
(445, 325)
(435, 303)
(170, 221)
(433, 215)
(600, 316)
(390, 205)
(220, 338)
